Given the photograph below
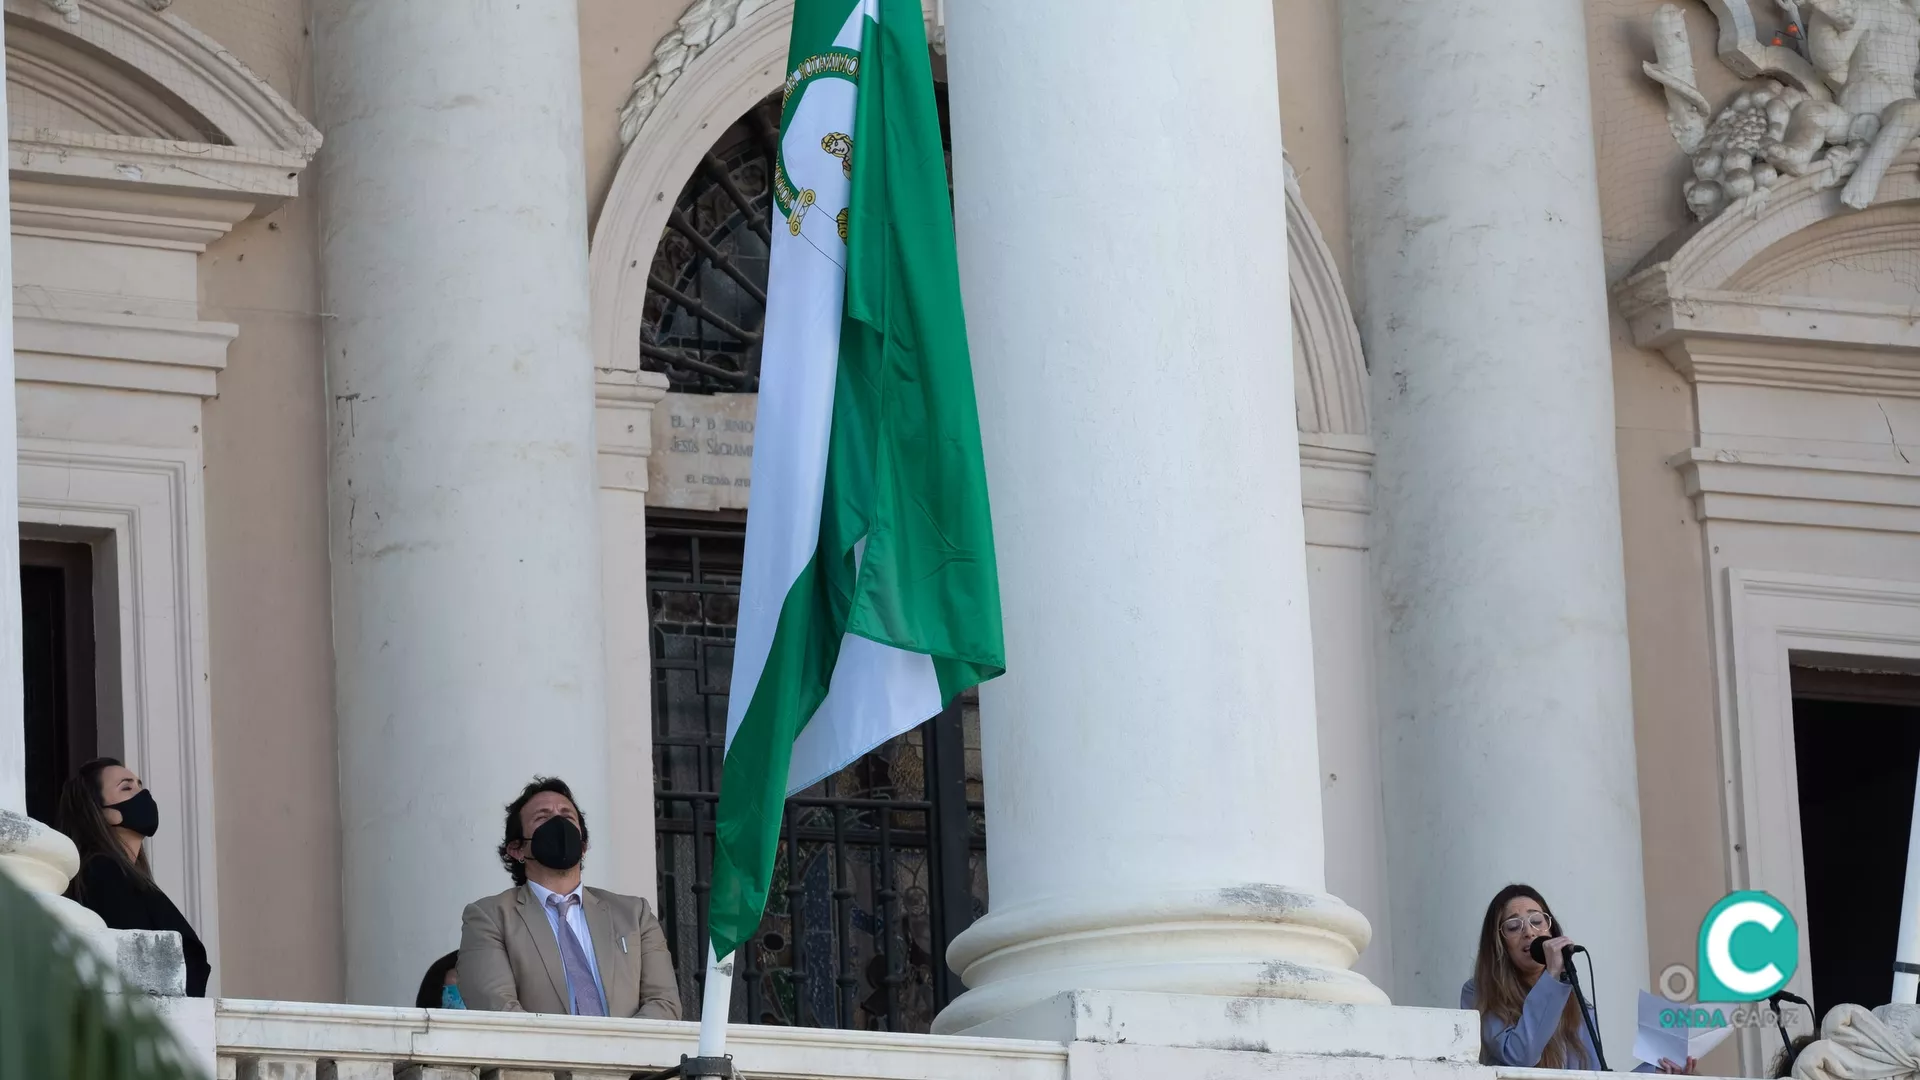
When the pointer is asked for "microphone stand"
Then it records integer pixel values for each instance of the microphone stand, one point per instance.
(1779, 1001)
(1572, 975)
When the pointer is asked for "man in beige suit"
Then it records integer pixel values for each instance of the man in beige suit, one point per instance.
(550, 945)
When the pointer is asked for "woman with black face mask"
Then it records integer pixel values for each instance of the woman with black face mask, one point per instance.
(108, 814)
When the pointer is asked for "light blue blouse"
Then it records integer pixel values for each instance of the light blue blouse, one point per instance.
(1521, 1044)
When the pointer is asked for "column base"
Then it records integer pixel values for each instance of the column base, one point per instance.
(1249, 941)
(41, 860)
(1245, 1025)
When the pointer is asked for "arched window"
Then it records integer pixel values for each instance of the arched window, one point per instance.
(706, 293)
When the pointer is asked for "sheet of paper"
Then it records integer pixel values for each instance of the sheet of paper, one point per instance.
(1665, 1030)
(1701, 1040)
(1652, 1040)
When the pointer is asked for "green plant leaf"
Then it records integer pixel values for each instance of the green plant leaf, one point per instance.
(58, 1017)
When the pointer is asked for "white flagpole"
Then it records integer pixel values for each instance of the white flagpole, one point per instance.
(714, 1005)
(1906, 984)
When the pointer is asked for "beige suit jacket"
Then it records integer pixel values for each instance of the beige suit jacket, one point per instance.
(510, 962)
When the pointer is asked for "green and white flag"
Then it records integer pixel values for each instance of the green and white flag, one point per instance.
(869, 598)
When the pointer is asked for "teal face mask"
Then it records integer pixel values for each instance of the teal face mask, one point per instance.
(450, 998)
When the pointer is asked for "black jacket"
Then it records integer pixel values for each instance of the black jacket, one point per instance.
(126, 903)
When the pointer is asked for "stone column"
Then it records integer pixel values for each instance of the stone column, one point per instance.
(465, 534)
(1151, 772)
(13, 734)
(1478, 279)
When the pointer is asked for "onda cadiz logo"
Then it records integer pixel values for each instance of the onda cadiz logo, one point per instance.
(1749, 947)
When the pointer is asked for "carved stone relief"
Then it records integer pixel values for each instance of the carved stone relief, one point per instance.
(70, 9)
(1839, 103)
(701, 25)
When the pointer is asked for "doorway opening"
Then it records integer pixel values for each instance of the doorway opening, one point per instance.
(58, 667)
(1856, 741)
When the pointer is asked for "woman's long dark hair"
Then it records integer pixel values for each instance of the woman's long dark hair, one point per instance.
(1790, 1053)
(1499, 991)
(79, 816)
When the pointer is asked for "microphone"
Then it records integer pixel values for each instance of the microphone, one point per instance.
(1780, 1019)
(1538, 950)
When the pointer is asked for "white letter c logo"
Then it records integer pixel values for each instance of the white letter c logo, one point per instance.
(1720, 954)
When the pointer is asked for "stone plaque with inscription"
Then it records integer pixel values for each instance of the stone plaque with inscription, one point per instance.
(702, 455)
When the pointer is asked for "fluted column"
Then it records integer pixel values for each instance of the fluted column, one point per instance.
(465, 534)
(1151, 772)
(1506, 704)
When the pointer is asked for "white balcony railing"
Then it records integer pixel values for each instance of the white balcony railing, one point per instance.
(281, 1040)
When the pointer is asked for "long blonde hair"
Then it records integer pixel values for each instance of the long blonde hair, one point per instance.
(1499, 991)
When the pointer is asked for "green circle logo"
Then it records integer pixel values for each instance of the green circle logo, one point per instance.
(1749, 947)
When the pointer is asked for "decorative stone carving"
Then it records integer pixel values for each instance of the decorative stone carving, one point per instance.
(1855, 1044)
(701, 25)
(1746, 55)
(1728, 154)
(70, 9)
(1866, 51)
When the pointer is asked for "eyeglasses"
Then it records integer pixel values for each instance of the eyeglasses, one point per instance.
(1533, 920)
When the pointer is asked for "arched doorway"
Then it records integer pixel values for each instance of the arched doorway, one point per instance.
(714, 73)
(881, 865)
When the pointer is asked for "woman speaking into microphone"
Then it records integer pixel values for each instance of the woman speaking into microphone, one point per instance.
(1527, 1021)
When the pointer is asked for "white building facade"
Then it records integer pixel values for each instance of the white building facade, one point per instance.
(1431, 446)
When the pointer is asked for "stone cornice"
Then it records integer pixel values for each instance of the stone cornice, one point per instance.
(1800, 343)
(136, 217)
(120, 352)
(167, 109)
(264, 178)
(1716, 298)
(1802, 489)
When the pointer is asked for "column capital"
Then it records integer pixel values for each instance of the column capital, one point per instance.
(624, 403)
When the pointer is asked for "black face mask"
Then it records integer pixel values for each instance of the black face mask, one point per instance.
(557, 844)
(139, 814)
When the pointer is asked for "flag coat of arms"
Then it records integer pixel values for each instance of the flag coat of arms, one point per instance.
(869, 597)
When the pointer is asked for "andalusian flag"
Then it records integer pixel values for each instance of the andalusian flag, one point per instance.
(869, 598)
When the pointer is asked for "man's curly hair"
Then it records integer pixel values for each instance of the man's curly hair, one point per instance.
(515, 868)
